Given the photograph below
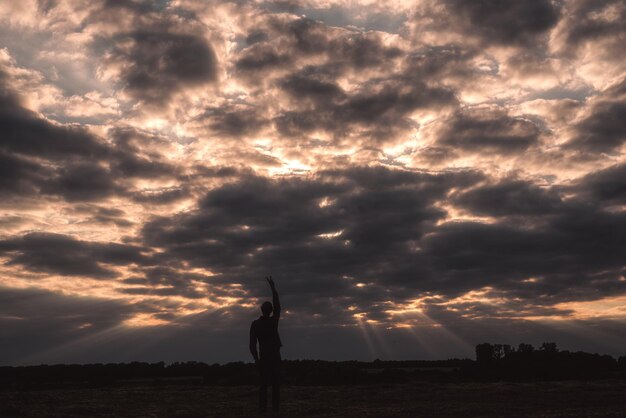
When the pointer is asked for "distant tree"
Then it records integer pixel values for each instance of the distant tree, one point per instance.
(525, 348)
(485, 353)
(508, 350)
(498, 351)
(549, 348)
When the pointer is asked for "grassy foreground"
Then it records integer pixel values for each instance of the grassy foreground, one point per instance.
(543, 399)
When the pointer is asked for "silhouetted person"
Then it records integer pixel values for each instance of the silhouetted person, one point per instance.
(265, 330)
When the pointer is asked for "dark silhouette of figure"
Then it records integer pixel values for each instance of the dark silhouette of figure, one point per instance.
(265, 331)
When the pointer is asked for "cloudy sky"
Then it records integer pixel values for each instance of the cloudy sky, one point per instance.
(417, 176)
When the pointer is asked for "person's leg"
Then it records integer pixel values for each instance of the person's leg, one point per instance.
(275, 394)
(263, 398)
(263, 369)
(276, 385)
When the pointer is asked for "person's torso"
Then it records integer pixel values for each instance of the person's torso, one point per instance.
(267, 332)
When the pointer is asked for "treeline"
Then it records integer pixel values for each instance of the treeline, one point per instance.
(295, 372)
(493, 362)
(546, 362)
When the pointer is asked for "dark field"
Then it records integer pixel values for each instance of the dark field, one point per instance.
(544, 399)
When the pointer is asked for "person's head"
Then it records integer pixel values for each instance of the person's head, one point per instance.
(267, 308)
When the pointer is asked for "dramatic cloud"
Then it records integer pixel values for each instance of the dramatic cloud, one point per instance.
(506, 22)
(418, 177)
(25, 133)
(488, 132)
(510, 198)
(154, 64)
(595, 21)
(606, 187)
(64, 255)
(603, 129)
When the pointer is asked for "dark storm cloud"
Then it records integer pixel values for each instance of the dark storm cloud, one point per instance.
(606, 187)
(572, 249)
(40, 156)
(256, 36)
(349, 48)
(243, 229)
(101, 215)
(431, 184)
(306, 35)
(167, 279)
(383, 228)
(488, 131)
(510, 198)
(219, 224)
(362, 50)
(604, 128)
(156, 50)
(312, 84)
(25, 135)
(260, 57)
(125, 164)
(65, 255)
(380, 108)
(505, 22)
(393, 101)
(9, 221)
(283, 43)
(134, 156)
(168, 276)
(18, 176)
(587, 21)
(23, 132)
(138, 6)
(82, 182)
(566, 255)
(159, 63)
(162, 291)
(232, 120)
(46, 5)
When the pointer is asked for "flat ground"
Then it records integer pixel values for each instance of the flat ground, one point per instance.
(545, 399)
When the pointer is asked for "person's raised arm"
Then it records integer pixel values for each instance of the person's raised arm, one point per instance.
(253, 350)
(275, 299)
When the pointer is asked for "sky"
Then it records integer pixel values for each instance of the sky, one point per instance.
(418, 177)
